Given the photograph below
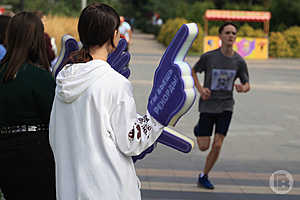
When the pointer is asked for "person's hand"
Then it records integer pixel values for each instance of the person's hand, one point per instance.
(173, 91)
(241, 88)
(205, 93)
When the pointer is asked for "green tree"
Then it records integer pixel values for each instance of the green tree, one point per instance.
(197, 10)
(285, 13)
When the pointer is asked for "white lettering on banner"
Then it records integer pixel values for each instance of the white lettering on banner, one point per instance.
(165, 98)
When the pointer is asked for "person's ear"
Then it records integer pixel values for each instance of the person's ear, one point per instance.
(116, 37)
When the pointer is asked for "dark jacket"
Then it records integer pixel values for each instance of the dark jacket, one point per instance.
(28, 98)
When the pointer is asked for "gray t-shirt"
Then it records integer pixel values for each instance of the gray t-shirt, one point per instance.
(220, 73)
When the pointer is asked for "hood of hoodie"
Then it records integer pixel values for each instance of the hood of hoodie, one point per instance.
(74, 79)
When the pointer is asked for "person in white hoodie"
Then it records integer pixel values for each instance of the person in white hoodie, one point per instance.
(94, 127)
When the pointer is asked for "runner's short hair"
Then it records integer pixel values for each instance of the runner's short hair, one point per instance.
(226, 24)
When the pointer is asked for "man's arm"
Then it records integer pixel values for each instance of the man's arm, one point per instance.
(130, 36)
(204, 92)
(243, 75)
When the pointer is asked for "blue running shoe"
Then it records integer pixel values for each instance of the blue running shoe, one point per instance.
(205, 183)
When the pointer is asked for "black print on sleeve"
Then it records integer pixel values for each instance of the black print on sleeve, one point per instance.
(142, 126)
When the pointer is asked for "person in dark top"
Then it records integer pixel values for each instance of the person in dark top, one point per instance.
(27, 169)
(221, 68)
(3, 25)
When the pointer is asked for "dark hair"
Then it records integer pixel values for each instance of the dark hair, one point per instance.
(3, 26)
(39, 13)
(226, 24)
(25, 43)
(97, 25)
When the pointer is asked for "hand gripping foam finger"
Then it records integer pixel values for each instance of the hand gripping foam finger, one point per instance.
(173, 91)
(68, 45)
(144, 153)
(119, 59)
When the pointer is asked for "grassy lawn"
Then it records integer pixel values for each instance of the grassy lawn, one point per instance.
(57, 26)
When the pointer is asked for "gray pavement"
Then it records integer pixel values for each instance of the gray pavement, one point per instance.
(264, 136)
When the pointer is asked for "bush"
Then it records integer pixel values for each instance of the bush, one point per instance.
(278, 46)
(292, 36)
(259, 33)
(246, 31)
(213, 30)
(169, 29)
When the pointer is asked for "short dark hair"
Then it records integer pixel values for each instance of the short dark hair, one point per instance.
(226, 24)
(97, 25)
(39, 13)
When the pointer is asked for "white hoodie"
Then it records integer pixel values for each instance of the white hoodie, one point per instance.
(94, 131)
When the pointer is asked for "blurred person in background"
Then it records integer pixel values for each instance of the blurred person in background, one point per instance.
(9, 13)
(125, 30)
(27, 169)
(3, 26)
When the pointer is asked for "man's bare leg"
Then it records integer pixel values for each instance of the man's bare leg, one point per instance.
(214, 153)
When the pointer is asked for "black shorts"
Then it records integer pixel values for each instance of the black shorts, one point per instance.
(207, 121)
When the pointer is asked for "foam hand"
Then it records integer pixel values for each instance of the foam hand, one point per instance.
(68, 45)
(119, 59)
(173, 91)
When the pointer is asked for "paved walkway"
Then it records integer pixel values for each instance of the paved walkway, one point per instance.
(263, 138)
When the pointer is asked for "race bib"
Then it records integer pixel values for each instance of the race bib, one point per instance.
(222, 79)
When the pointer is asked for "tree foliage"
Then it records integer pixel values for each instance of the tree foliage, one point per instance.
(284, 12)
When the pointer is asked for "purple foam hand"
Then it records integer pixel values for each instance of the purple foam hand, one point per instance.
(173, 91)
(119, 59)
(68, 45)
